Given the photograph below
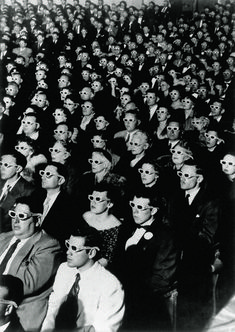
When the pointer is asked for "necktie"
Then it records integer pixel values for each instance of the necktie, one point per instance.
(187, 198)
(127, 139)
(5, 193)
(68, 313)
(8, 256)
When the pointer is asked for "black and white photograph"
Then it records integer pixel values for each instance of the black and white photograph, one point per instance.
(117, 165)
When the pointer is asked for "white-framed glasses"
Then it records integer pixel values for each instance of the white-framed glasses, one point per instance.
(172, 128)
(147, 172)
(21, 215)
(94, 161)
(139, 206)
(134, 144)
(210, 136)
(97, 141)
(96, 199)
(48, 174)
(185, 175)
(7, 165)
(28, 123)
(59, 132)
(76, 249)
(20, 148)
(51, 150)
(227, 163)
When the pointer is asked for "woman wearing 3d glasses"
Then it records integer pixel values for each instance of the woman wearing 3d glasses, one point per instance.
(100, 217)
(101, 165)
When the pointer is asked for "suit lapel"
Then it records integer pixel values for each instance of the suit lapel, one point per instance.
(24, 252)
(5, 240)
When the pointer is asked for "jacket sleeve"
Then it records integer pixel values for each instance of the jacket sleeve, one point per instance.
(209, 221)
(165, 263)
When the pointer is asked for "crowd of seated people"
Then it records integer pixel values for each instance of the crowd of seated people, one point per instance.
(118, 121)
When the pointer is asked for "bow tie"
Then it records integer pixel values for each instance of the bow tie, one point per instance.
(142, 227)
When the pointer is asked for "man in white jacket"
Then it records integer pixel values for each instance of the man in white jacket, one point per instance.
(100, 297)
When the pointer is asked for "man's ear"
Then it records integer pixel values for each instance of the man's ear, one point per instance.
(92, 253)
(146, 146)
(110, 204)
(154, 211)
(61, 180)
(67, 154)
(37, 125)
(200, 178)
(39, 218)
(8, 310)
(19, 169)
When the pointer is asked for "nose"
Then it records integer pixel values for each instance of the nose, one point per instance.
(135, 210)
(16, 220)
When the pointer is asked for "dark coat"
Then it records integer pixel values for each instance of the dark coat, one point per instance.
(149, 272)
(59, 221)
(195, 227)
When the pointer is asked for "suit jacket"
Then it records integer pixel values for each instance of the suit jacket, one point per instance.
(35, 264)
(195, 227)
(59, 220)
(150, 272)
(21, 188)
(157, 258)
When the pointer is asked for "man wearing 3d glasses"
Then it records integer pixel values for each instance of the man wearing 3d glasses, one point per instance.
(149, 266)
(32, 256)
(86, 296)
(55, 202)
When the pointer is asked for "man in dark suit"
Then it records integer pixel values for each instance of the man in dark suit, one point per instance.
(31, 255)
(150, 265)
(194, 214)
(12, 185)
(11, 295)
(56, 203)
(5, 56)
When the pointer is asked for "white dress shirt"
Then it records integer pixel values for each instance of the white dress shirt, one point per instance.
(192, 194)
(4, 327)
(8, 186)
(100, 298)
(51, 199)
(138, 234)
